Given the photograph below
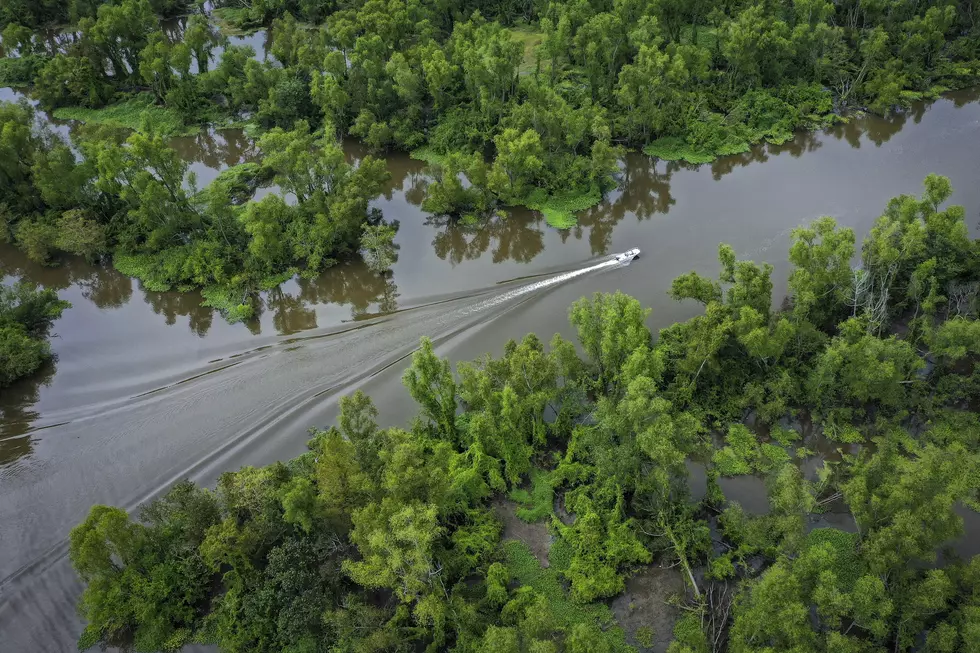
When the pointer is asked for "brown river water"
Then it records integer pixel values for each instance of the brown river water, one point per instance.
(149, 388)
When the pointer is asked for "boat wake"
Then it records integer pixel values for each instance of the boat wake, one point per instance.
(618, 260)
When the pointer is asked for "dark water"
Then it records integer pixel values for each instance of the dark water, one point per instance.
(150, 387)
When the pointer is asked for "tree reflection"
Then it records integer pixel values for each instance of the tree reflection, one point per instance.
(172, 305)
(418, 182)
(964, 97)
(517, 237)
(16, 414)
(107, 289)
(102, 285)
(290, 314)
(878, 129)
(351, 283)
(216, 149)
(644, 191)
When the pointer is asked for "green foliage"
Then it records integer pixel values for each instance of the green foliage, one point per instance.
(233, 304)
(20, 355)
(295, 556)
(379, 247)
(27, 314)
(847, 563)
(559, 209)
(130, 114)
(20, 71)
(743, 454)
(644, 636)
(537, 504)
(677, 148)
(526, 571)
(689, 636)
(145, 583)
(601, 544)
(611, 329)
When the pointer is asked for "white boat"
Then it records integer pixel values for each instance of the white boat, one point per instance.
(628, 255)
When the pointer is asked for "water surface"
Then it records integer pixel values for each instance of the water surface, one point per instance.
(150, 387)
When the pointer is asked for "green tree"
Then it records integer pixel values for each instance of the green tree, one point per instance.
(430, 382)
(610, 328)
(380, 250)
(518, 162)
(821, 282)
(147, 584)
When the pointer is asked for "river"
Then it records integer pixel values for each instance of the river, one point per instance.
(150, 387)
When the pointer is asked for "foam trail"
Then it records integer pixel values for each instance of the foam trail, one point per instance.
(538, 285)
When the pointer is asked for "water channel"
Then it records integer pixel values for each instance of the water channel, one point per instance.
(151, 387)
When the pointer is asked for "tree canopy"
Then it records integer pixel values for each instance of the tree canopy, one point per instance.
(393, 538)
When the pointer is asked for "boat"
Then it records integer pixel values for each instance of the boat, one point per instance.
(628, 255)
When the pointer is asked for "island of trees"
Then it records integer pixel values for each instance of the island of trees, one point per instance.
(390, 539)
(512, 103)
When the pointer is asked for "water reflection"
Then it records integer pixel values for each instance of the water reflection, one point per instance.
(517, 237)
(102, 285)
(644, 191)
(351, 284)
(171, 305)
(879, 129)
(215, 148)
(17, 414)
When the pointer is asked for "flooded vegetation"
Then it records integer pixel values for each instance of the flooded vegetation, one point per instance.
(149, 387)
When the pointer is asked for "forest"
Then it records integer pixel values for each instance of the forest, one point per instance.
(856, 397)
(511, 103)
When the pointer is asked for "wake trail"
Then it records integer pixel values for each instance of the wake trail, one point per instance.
(538, 285)
(284, 414)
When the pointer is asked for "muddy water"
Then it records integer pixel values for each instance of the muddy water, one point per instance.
(150, 387)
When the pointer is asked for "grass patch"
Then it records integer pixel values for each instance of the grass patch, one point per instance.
(524, 569)
(559, 210)
(229, 301)
(645, 636)
(538, 503)
(429, 155)
(234, 21)
(144, 268)
(847, 565)
(676, 148)
(530, 39)
(129, 114)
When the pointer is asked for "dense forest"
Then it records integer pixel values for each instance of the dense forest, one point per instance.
(512, 103)
(391, 539)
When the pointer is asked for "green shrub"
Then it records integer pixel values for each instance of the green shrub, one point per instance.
(559, 209)
(689, 637)
(538, 504)
(644, 636)
(20, 355)
(232, 303)
(26, 316)
(525, 570)
(20, 71)
(129, 114)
